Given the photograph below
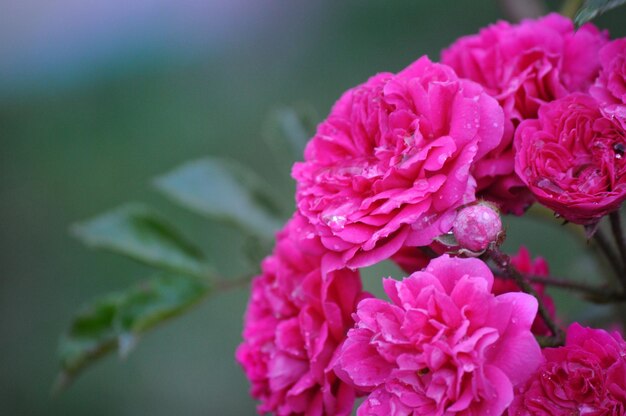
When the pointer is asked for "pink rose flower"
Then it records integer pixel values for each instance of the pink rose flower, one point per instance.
(295, 320)
(523, 66)
(610, 87)
(572, 159)
(524, 264)
(391, 163)
(445, 345)
(585, 377)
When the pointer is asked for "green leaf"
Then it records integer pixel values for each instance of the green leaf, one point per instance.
(226, 191)
(140, 233)
(594, 8)
(289, 129)
(116, 321)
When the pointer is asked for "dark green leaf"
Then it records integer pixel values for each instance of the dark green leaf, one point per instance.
(594, 8)
(288, 129)
(140, 233)
(116, 321)
(224, 190)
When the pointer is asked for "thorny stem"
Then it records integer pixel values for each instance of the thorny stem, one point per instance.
(608, 251)
(503, 261)
(600, 294)
(616, 228)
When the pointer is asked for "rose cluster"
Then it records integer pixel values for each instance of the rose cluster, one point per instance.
(416, 166)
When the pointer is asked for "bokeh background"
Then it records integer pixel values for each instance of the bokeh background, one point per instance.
(99, 96)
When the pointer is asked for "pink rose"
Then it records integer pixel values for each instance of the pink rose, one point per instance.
(295, 320)
(585, 377)
(524, 264)
(445, 345)
(523, 66)
(391, 163)
(610, 87)
(572, 159)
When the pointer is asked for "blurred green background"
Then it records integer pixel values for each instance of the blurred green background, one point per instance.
(98, 97)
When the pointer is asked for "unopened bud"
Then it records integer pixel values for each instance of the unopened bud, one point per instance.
(477, 226)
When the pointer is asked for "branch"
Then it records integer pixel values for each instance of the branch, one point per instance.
(503, 261)
(616, 228)
(599, 294)
(608, 251)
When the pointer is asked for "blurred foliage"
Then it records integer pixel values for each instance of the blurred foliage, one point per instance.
(141, 234)
(593, 8)
(115, 322)
(226, 191)
(72, 153)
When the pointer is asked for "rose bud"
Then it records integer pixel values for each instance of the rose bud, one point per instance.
(477, 226)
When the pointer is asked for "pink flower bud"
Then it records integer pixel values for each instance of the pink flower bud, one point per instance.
(476, 226)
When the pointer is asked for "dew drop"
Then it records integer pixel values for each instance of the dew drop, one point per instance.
(461, 174)
(420, 185)
(619, 150)
(336, 222)
(548, 185)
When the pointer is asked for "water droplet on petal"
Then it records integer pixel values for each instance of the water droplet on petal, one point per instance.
(548, 185)
(335, 222)
(619, 150)
(420, 185)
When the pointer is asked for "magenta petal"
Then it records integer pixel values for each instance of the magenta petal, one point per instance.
(395, 153)
(451, 269)
(445, 345)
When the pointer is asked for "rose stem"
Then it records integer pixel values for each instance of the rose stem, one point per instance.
(616, 227)
(596, 293)
(503, 261)
(606, 248)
